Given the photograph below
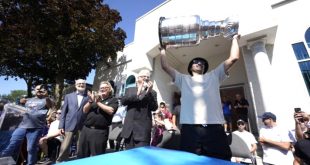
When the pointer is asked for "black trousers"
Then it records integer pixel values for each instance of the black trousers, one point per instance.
(92, 142)
(131, 143)
(53, 146)
(210, 140)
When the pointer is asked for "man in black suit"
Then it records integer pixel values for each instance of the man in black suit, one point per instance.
(140, 101)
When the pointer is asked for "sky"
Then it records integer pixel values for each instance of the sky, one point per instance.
(130, 10)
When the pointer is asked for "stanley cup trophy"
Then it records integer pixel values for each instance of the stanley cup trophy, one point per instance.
(190, 30)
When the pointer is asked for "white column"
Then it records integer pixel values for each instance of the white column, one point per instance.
(264, 73)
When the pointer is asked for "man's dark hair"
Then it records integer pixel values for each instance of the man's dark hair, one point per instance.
(113, 85)
(206, 65)
(44, 87)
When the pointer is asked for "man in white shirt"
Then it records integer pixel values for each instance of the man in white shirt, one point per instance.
(52, 140)
(248, 138)
(201, 113)
(275, 141)
(117, 121)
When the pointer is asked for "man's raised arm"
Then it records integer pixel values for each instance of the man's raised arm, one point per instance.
(165, 65)
(234, 53)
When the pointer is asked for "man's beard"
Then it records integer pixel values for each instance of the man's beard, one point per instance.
(81, 89)
(198, 71)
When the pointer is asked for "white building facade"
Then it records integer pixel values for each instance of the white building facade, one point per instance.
(273, 73)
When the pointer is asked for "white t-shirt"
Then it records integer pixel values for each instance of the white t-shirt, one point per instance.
(275, 155)
(54, 128)
(200, 101)
(119, 114)
(249, 139)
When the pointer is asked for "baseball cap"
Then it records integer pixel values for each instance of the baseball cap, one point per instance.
(268, 115)
(240, 121)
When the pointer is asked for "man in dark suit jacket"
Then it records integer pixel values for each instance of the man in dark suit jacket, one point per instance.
(140, 101)
(71, 119)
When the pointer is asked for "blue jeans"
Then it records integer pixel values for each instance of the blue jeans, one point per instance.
(16, 140)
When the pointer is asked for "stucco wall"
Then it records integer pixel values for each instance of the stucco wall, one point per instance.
(288, 90)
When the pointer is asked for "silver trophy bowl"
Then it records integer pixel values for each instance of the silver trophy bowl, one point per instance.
(179, 31)
(190, 30)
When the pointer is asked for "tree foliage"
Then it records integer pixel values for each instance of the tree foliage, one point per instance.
(14, 95)
(56, 40)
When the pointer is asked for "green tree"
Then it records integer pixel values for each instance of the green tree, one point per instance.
(14, 95)
(54, 41)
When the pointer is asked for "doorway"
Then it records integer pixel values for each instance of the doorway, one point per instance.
(230, 92)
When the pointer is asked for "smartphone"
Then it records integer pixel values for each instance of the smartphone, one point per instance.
(297, 110)
(145, 83)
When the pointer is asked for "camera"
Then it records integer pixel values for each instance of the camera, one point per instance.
(145, 84)
(297, 110)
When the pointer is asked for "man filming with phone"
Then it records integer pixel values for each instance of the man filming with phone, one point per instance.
(302, 129)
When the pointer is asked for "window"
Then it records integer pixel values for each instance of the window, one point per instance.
(121, 90)
(303, 59)
(305, 70)
(130, 82)
(300, 51)
(307, 37)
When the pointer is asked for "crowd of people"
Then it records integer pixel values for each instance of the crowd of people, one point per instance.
(198, 122)
(234, 111)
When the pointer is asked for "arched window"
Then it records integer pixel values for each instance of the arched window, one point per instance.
(130, 82)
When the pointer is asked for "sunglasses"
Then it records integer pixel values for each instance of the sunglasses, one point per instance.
(240, 124)
(199, 62)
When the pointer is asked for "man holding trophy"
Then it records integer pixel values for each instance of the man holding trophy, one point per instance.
(201, 115)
